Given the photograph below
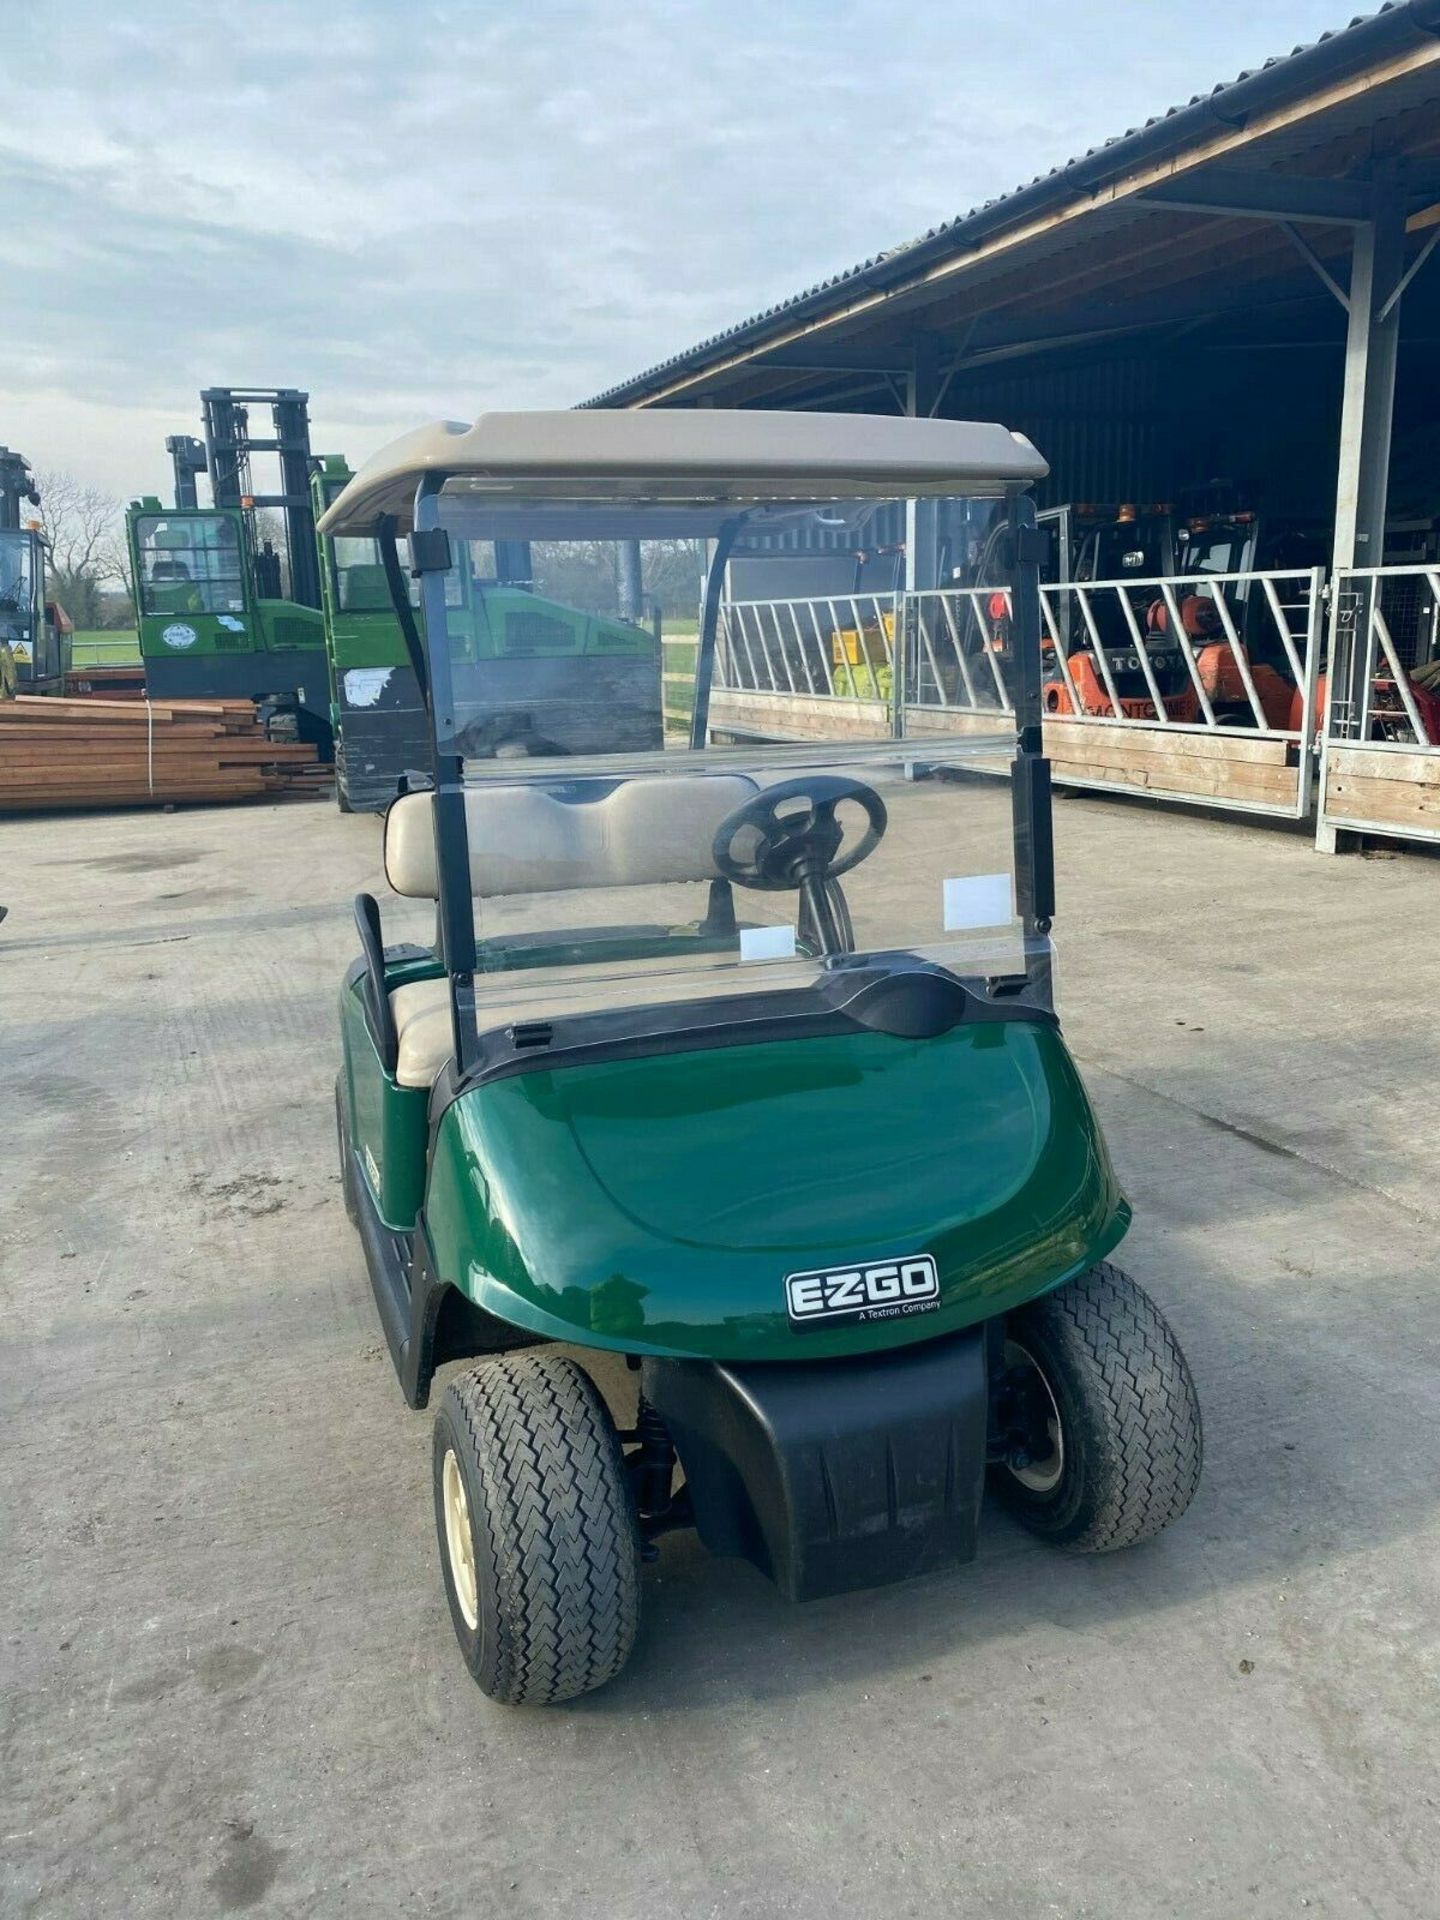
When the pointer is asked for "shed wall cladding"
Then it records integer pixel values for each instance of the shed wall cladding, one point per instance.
(1100, 424)
(884, 527)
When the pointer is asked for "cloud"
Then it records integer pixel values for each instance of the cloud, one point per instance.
(417, 210)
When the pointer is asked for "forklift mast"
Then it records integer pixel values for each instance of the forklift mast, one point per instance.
(187, 456)
(229, 444)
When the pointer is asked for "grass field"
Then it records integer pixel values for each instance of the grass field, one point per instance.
(679, 680)
(107, 647)
(114, 647)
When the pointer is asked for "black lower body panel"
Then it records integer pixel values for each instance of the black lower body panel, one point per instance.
(836, 1474)
(375, 745)
(299, 674)
(238, 676)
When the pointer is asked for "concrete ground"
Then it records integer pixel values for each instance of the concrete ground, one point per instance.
(229, 1679)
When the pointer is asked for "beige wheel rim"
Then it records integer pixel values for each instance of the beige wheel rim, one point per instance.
(459, 1541)
(1041, 1476)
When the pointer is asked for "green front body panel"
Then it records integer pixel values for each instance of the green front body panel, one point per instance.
(286, 626)
(656, 1205)
(365, 640)
(388, 1124)
(265, 627)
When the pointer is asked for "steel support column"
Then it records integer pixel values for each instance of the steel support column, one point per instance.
(1372, 344)
(629, 587)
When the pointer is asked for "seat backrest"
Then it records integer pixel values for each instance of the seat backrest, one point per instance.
(524, 839)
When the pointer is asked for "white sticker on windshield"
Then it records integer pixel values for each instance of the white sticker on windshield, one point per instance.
(979, 900)
(767, 943)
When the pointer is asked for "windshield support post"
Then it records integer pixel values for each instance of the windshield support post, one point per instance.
(709, 622)
(455, 912)
(1034, 845)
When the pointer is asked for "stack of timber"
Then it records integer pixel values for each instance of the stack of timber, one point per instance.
(106, 683)
(128, 753)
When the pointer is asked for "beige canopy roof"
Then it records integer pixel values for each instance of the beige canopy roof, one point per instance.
(682, 456)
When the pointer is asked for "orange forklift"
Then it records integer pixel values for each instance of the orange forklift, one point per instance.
(1127, 648)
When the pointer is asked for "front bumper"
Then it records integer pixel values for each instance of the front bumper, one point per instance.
(834, 1475)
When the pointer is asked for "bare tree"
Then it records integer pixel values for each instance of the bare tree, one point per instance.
(82, 524)
(87, 545)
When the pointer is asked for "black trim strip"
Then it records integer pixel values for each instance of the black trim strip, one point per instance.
(906, 997)
(400, 602)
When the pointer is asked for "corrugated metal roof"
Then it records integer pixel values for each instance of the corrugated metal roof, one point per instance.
(1222, 103)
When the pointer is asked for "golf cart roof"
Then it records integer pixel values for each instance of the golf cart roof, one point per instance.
(706, 458)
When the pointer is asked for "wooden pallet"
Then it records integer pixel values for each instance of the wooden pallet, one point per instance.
(126, 753)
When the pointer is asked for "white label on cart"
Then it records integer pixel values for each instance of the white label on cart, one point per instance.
(878, 1290)
(767, 943)
(177, 634)
(979, 900)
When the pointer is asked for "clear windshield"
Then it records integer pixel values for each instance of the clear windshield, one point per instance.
(17, 585)
(729, 871)
(190, 563)
(612, 864)
(572, 625)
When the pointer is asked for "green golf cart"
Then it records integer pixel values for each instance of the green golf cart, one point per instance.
(731, 1085)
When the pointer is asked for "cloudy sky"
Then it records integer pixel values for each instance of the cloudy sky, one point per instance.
(416, 208)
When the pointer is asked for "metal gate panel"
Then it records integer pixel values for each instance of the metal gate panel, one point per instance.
(1380, 738)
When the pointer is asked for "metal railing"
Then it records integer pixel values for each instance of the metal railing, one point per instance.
(1235, 654)
(1217, 651)
(836, 647)
(1140, 641)
(121, 649)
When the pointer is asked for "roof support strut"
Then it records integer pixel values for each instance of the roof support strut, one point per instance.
(1265, 196)
(1312, 259)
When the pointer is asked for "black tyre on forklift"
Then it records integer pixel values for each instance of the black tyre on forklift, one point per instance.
(538, 1537)
(1102, 1414)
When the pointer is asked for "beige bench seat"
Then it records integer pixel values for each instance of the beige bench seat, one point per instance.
(422, 1023)
(639, 832)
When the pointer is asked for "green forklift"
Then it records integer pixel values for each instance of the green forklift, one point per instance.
(34, 630)
(554, 670)
(727, 1135)
(222, 614)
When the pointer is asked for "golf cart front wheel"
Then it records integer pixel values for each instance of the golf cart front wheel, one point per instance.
(538, 1539)
(1100, 1415)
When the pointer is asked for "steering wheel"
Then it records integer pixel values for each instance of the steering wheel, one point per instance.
(796, 845)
